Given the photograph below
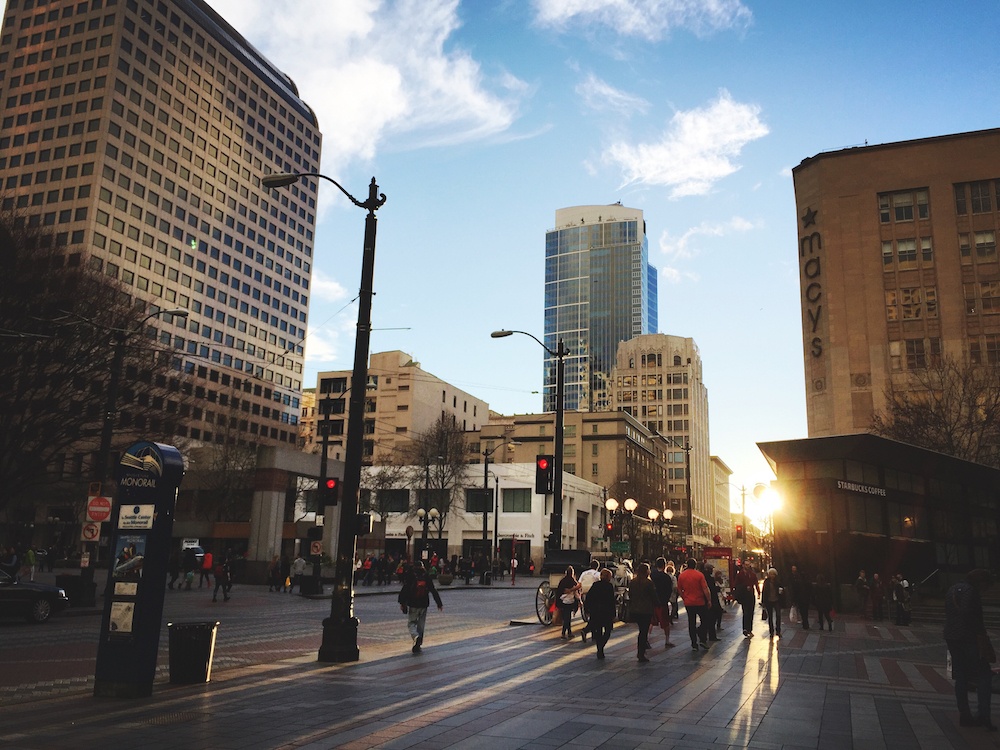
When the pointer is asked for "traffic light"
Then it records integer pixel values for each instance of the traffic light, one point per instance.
(329, 489)
(609, 530)
(739, 531)
(544, 473)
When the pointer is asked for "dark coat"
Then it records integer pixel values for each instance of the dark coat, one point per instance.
(419, 596)
(601, 602)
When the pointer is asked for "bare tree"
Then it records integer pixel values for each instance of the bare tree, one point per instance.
(951, 406)
(438, 467)
(58, 325)
(380, 486)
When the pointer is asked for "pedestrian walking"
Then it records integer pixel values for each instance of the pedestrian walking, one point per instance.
(771, 596)
(273, 574)
(714, 604)
(189, 563)
(223, 579)
(664, 592)
(693, 591)
(568, 598)
(823, 599)
(747, 591)
(206, 569)
(414, 600)
(587, 579)
(601, 609)
(173, 567)
(861, 588)
(30, 562)
(642, 603)
(298, 571)
(969, 646)
(513, 570)
(901, 598)
(876, 592)
(672, 572)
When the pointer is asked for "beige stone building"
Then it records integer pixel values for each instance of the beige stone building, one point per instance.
(898, 266)
(402, 402)
(611, 449)
(657, 378)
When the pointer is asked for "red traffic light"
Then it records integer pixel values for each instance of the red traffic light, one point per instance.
(543, 463)
(609, 527)
(739, 531)
(331, 483)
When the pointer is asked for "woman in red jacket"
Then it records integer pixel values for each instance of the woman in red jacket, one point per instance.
(693, 589)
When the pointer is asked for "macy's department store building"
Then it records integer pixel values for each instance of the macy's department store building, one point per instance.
(853, 502)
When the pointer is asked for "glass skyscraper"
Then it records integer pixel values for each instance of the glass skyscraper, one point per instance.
(599, 290)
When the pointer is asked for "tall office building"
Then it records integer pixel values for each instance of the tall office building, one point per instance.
(136, 132)
(898, 266)
(600, 290)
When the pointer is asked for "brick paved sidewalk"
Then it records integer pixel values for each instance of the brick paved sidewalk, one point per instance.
(863, 686)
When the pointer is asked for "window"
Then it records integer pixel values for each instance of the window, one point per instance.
(900, 206)
(906, 253)
(394, 501)
(916, 357)
(986, 244)
(982, 201)
(478, 500)
(517, 500)
(911, 304)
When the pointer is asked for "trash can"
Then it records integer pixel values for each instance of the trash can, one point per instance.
(192, 646)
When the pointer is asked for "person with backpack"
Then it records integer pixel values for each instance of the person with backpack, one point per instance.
(414, 599)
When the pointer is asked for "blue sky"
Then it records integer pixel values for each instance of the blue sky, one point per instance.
(480, 119)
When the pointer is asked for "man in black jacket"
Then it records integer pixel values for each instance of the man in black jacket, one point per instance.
(602, 611)
(971, 652)
(414, 599)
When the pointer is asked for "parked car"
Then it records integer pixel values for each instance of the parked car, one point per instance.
(35, 601)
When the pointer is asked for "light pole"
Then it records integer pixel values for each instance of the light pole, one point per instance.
(340, 629)
(426, 518)
(658, 519)
(555, 523)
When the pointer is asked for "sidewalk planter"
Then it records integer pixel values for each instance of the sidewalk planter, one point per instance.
(445, 579)
(192, 647)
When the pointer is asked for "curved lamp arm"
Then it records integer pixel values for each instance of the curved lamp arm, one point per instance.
(282, 179)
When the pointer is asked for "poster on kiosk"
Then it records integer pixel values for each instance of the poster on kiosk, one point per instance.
(147, 479)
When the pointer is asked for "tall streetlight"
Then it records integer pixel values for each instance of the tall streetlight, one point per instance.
(340, 629)
(487, 453)
(555, 523)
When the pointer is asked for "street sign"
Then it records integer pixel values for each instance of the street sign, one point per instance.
(90, 532)
(316, 548)
(620, 548)
(98, 509)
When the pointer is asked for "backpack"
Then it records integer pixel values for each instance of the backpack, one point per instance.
(420, 589)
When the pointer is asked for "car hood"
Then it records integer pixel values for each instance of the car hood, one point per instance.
(42, 587)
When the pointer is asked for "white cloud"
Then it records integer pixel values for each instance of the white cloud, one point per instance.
(648, 19)
(376, 71)
(326, 289)
(602, 96)
(685, 247)
(696, 150)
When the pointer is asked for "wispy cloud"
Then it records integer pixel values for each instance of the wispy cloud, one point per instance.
(375, 71)
(648, 19)
(326, 289)
(697, 149)
(602, 97)
(685, 247)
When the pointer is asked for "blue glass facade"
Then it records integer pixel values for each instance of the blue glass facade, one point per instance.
(599, 290)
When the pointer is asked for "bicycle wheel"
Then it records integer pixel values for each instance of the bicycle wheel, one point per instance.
(544, 603)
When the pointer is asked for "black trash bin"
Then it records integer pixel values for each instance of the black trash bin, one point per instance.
(192, 646)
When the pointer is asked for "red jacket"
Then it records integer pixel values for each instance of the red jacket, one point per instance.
(693, 587)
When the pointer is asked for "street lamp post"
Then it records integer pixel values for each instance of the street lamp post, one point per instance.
(555, 523)
(340, 629)
(426, 518)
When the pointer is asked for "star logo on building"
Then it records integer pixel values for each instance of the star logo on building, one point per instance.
(809, 217)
